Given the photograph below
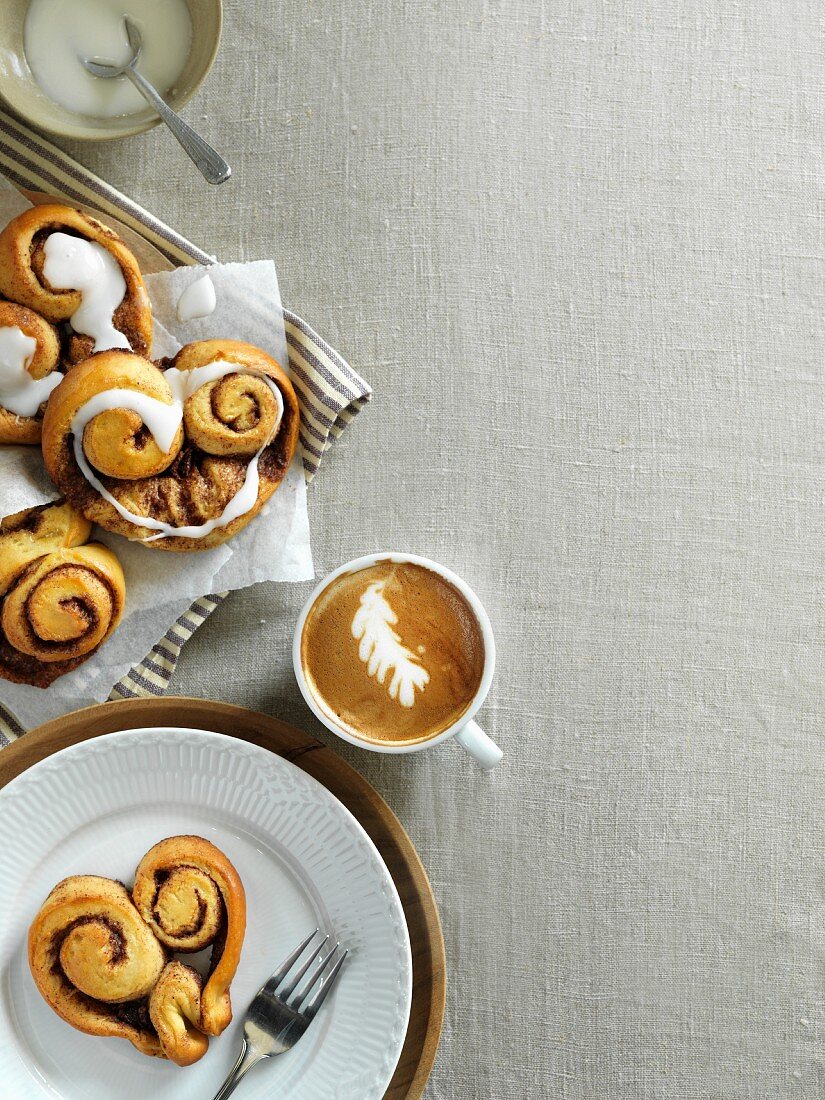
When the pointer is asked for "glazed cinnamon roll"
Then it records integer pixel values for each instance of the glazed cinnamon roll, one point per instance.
(29, 361)
(60, 596)
(180, 459)
(71, 268)
(191, 897)
(95, 961)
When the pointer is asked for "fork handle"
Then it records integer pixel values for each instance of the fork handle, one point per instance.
(212, 165)
(246, 1060)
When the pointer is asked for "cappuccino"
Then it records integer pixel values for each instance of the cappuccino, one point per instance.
(392, 652)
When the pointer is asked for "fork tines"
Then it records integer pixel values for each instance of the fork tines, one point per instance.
(295, 991)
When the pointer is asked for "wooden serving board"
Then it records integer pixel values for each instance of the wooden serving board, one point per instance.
(363, 802)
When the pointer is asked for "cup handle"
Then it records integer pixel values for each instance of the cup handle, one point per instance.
(482, 748)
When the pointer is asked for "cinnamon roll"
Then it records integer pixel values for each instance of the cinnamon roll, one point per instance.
(29, 361)
(71, 268)
(60, 596)
(191, 897)
(95, 961)
(180, 459)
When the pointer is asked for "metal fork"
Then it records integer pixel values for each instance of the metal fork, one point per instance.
(284, 1007)
(212, 165)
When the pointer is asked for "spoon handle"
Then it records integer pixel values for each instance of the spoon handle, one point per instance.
(211, 163)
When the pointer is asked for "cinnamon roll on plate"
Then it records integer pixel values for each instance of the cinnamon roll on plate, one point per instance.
(74, 270)
(102, 958)
(61, 596)
(180, 459)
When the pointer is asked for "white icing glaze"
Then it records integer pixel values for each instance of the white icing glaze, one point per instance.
(73, 263)
(19, 392)
(381, 649)
(163, 421)
(198, 299)
(57, 33)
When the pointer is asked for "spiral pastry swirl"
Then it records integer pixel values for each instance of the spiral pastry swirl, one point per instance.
(234, 415)
(95, 961)
(23, 280)
(45, 359)
(171, 476)
(64, 605)
(191, 897)
(61, 597)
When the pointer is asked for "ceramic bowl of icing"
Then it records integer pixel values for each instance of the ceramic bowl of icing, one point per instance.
(23, 94)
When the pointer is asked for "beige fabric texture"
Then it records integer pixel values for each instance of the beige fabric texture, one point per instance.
(578, 249)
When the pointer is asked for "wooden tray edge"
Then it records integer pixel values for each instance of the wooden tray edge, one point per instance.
(360, 798)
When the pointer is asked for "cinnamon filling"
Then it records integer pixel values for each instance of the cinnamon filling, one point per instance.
(196, 923)
(219, 943)
(188, 929)
(131, 1013)
(141, 438)
(116, 939)
(193, 489)
(30, 520)
(134, 1014)
(86, 614)
(246, 421)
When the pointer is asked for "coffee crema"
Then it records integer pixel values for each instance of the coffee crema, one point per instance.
(392, 652)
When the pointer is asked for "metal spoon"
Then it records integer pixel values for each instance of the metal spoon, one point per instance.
(212, 165)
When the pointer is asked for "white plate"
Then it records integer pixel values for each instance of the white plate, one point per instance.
(304, 861)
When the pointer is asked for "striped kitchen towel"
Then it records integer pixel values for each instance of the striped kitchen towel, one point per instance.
(330, 392)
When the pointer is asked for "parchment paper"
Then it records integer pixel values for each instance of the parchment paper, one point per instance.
(162, 585)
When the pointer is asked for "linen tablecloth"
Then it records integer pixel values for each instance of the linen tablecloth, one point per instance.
(579, 249)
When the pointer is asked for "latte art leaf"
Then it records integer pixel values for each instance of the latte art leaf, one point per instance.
(381, 648)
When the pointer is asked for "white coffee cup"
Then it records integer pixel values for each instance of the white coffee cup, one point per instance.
(466, 731)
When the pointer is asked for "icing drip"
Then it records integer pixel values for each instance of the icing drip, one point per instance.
(163, 421)
(198, 299)
(73, 263)
(19, 392)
